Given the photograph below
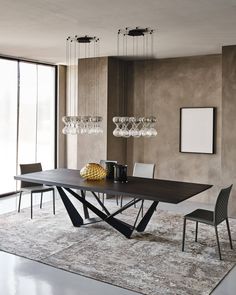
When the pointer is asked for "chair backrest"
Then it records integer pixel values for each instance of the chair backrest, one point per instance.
(29, 168)
(144, 170)
(221, 207)
(103, 162)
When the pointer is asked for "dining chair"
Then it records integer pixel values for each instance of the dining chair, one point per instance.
(143, 170)
(213, 218)
(34, 188)
(103, 164)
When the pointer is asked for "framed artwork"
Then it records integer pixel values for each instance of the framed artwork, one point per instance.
(197, 130)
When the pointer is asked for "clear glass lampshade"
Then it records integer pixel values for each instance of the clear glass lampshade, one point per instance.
(82, 125)
(134, 127)
(117, 130)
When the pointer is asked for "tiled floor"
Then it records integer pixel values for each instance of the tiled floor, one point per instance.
(20, 276)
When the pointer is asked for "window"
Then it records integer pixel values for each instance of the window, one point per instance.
(8, 124)
(27, 118)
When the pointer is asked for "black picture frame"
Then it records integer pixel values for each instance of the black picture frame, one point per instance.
(203, 119)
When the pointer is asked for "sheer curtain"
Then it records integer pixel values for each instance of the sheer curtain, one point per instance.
(8, 124)
(27, 118)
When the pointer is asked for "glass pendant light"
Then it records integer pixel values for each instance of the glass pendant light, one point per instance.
(90, 122)
(135, 126)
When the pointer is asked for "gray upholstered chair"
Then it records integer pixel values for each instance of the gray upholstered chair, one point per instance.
(142, 170)
(34, 188)
(213, 218)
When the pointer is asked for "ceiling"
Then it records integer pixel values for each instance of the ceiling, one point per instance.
(38, 29)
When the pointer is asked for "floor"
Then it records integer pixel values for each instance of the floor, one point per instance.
(20, 276)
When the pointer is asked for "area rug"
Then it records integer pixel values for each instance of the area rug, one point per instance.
(150, 263)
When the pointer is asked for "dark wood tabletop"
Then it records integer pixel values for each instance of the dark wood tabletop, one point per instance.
(143, 188)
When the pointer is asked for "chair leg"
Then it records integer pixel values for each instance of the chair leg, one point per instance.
(103, 198)
(117, 200)
(142, 208)
(31, 199)
(19, 202)
(228, 228)
(184, 229)
(121, 201)
(53, 199)
(218, 243)
(135, 205)
(196, 232)
(41, 200)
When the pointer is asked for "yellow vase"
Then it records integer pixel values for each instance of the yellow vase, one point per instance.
(93, 171)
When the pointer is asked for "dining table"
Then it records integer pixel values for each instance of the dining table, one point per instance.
(70, 184)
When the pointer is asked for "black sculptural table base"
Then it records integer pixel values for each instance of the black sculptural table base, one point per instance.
(103, 214)
(139, 189)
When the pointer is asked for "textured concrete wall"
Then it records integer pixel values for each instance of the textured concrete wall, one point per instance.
(117, 70)
(135, 107)
(92, 148)
(229, 120)
(83, 149)
(61, 111)
(161, 88)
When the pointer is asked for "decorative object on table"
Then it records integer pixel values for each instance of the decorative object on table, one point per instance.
(90, 122)
(93, 171)
(120, 173)
(197, 126)
(110, 175)
(110, 166)
(142, 48)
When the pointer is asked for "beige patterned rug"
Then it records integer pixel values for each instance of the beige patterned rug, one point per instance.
(150, 263)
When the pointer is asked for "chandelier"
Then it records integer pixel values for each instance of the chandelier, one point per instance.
(77, 123)
(141, 47)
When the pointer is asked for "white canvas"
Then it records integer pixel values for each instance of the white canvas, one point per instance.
(197, 130)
